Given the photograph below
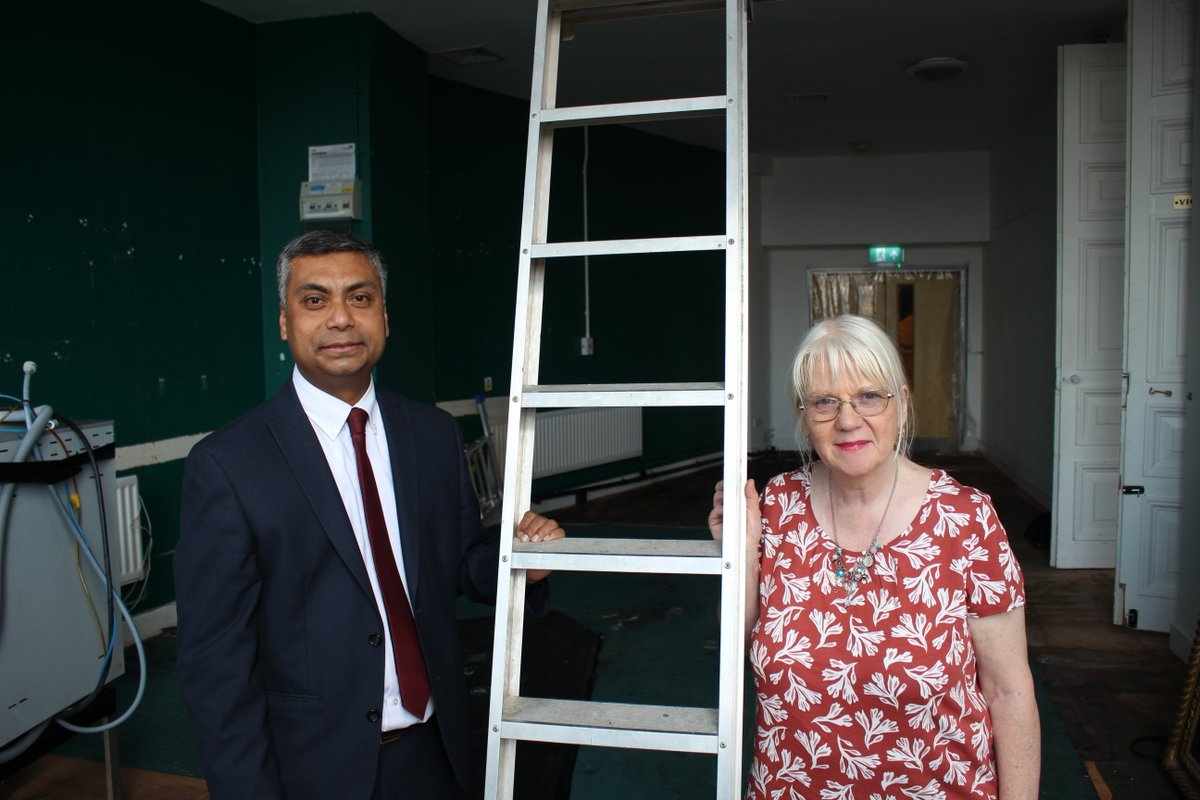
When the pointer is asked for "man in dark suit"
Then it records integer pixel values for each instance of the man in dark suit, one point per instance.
(322, 550)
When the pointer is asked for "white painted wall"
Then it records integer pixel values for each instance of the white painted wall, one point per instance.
(788, 312)
(819, 213)
(857, 200)
(1020, 303)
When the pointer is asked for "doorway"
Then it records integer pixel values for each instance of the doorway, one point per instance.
(921, 309)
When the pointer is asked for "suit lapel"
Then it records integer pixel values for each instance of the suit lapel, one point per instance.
(405, 480)
(304, 456)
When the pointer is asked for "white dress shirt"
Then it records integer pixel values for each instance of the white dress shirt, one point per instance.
(328, 416)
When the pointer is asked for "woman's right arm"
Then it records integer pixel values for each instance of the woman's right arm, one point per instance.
(753, 535)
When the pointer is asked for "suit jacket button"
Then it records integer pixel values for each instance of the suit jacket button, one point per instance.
(374, 640)
(373, 715)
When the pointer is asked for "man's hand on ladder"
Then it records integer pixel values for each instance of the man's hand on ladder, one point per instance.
(533, 527)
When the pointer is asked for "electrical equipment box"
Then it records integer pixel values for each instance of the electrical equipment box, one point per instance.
(54, 626)
(331, 200)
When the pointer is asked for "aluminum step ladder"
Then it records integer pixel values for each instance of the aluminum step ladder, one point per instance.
(715, 730)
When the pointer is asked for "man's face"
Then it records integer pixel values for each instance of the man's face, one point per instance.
(335, 321)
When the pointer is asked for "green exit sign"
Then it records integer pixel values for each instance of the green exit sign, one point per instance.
(886, 254)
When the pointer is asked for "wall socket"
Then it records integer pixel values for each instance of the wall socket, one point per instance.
(487, 383)
(587, 346)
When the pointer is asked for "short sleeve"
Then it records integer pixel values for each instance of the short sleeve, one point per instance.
(995, 583)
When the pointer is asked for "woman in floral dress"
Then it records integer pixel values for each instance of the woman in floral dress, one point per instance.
(885, 606)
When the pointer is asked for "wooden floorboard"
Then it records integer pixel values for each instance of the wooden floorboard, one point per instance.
(55, 777)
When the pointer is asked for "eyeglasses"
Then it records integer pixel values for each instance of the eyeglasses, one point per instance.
(867, 404)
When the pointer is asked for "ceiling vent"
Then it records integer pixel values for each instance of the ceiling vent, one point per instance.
(466, 56)
(938, 68)
(809, 96)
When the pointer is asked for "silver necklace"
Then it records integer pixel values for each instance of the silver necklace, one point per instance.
(849, 579)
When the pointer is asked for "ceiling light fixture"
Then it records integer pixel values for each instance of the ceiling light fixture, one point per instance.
(938, 68)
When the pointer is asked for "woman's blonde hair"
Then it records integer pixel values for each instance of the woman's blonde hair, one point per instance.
(852, 344)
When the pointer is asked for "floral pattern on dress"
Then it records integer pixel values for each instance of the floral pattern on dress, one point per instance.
(872, 695)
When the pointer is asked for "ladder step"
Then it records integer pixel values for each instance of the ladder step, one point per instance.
(640, 727)
(641, 111)
(655, 556)
(623, 395)
(617, 247)
(579, 12)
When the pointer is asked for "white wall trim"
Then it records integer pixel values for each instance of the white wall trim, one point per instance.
(160, 452)
(151, 623)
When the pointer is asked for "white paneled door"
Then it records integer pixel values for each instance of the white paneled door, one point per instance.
(1091, 265)
(1159, 176)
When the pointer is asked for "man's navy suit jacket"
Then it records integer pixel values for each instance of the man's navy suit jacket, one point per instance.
(280, 649)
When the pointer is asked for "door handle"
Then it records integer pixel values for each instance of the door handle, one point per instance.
(1163, 392)
(1133, 490)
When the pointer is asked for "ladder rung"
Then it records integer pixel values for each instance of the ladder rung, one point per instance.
(641, 727)
(623, 395)
(642, 111)
(656, 556)
(616, 247)
(579, 12)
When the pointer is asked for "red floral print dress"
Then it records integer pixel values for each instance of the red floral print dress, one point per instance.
(872, 695)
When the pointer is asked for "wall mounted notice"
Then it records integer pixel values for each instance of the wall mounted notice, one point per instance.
(331, 162)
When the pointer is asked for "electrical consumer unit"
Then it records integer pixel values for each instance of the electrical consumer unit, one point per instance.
(338, 199)
(54, 621)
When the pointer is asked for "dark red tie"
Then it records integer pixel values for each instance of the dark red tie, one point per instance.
(410, 666)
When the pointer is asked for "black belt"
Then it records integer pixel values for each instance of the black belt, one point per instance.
(395, 735)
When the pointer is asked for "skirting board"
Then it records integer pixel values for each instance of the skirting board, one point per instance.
(151, 623)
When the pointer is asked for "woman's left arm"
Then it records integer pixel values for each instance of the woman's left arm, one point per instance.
(1007, 685)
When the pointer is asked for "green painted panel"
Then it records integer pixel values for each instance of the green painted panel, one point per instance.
(370, 90)
(653, 318)
(131, 269)
(477, 145)
(400, 179)
(301, 102)
(130, 249)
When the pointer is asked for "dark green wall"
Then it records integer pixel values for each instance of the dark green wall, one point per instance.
(299, 107)
(159, 149)
(130, 224)
(653, 318)
(398, 93)
(370, 89)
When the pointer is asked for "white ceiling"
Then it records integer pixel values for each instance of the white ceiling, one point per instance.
(852, 51)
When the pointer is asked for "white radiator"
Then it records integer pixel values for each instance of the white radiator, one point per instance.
(574, 438)
(129, 530)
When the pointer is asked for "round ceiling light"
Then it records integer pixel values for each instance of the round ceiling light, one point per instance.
(938, 68)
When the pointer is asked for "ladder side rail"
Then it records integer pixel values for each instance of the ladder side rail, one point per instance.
(510, 584)
(733, 599)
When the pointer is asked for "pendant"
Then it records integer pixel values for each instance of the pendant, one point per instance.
(867, 560)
